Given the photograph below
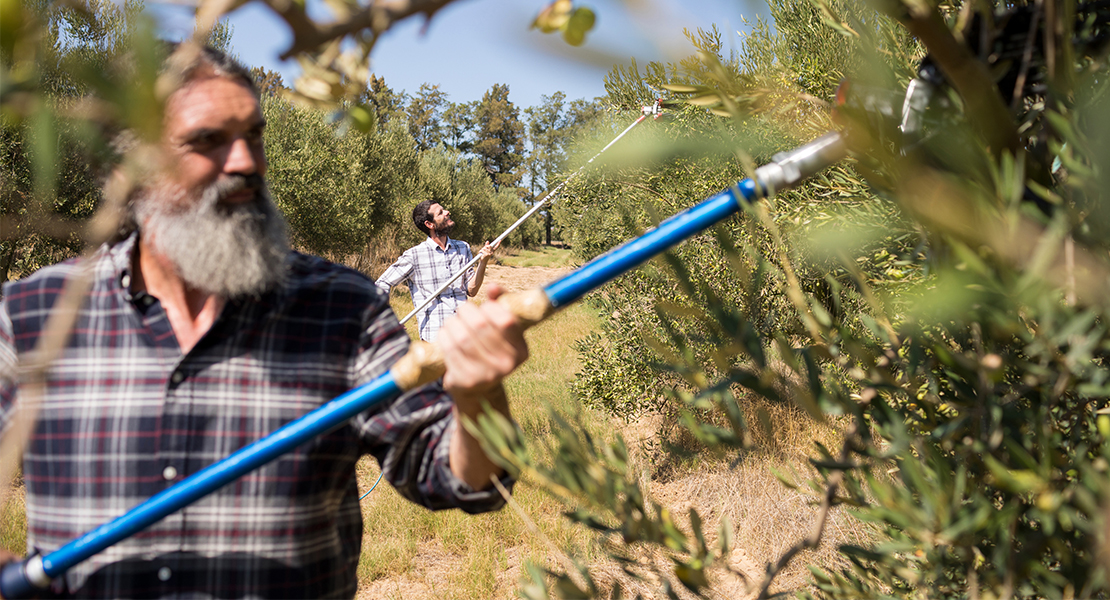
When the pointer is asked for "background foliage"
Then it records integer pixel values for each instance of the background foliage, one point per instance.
(941, 300)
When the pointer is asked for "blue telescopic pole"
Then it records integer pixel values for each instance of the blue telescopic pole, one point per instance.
(422, 364)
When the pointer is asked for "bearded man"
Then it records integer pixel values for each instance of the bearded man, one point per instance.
(202, 333)
(425, 267)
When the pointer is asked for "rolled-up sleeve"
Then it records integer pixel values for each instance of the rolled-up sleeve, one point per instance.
(398, 272)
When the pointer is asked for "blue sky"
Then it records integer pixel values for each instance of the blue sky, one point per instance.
(472, 44)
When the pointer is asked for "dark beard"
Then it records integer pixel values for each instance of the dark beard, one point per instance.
(231, 250)
(445, 230)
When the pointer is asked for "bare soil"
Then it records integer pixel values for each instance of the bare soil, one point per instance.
(515, 279)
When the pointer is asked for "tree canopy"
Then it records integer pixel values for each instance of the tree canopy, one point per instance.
(499, 140)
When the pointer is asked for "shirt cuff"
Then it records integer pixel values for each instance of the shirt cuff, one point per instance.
(474, 501)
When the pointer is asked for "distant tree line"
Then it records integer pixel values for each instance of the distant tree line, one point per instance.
(345, 193)
(521, 153)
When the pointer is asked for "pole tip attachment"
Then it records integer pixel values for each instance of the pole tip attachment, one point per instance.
(15, 581)
(655, 110)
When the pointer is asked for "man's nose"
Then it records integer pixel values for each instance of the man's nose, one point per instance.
(241, 158)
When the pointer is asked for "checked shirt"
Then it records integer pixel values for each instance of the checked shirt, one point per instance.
(126, 415)
(424, 268)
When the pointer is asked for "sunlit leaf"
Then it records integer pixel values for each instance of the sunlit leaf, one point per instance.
(553, 17)
(580, 23)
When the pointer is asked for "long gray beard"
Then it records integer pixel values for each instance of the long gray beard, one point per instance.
(231, 250)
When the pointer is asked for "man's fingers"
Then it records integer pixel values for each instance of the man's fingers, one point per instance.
(492, 329)
(481, 346)
(487, 250)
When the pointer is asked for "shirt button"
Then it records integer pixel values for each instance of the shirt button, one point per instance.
(148, 299)
(169, 473)
(177, 377)
(164, 574)
(125, 280)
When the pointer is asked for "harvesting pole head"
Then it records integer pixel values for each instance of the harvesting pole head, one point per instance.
(654, 111)
(787, 169)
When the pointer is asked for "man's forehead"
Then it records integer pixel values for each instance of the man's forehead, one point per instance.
(435, 209)
(209, 102)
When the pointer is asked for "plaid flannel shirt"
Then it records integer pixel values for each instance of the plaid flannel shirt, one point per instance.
(126, 415)
(424, 268)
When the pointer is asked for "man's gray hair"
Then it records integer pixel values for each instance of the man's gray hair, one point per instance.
(191, 61)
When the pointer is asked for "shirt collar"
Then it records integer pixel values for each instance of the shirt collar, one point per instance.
(120, 257)
(434, 246)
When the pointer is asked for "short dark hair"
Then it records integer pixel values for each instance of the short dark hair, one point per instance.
(420, 215)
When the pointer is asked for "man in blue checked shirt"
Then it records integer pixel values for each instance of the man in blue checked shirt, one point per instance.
(203, 332)
(424, 268)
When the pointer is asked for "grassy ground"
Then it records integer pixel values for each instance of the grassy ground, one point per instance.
(13, 522)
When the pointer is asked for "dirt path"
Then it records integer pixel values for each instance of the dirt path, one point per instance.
(515, 279)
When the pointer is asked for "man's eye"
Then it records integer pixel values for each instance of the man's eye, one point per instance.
(205, 142)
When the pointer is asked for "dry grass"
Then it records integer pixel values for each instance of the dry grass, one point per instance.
(766, 516)
(13, 520)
